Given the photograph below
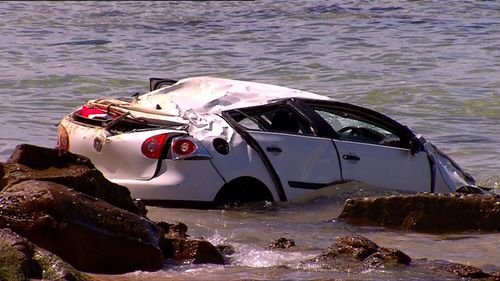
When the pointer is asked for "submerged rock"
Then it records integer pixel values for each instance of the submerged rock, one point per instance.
(86, 232)
(357, 253)
(444, 268)
(22, 260)
(191, 251)
(226, 249)
(426, 212)
(179, 249)
(174, 230)
(29, 162)
(281, 243)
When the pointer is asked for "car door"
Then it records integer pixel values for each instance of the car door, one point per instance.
(375, 149)
(302, 161)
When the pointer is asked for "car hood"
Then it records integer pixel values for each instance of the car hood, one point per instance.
(446, 170)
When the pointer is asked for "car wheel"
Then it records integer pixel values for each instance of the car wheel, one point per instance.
(242, 190)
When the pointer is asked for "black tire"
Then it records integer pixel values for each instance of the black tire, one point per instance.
(242, 190)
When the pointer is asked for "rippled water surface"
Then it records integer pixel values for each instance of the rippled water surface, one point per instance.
(434, 65)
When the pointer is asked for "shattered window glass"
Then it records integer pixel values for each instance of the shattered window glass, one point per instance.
(352, 128)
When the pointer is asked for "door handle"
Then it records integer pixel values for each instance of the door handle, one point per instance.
(351, 157)
(273, 149)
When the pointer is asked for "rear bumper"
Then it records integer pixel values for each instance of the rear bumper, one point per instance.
(184, 180)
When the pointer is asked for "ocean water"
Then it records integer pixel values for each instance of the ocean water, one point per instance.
(434, 65)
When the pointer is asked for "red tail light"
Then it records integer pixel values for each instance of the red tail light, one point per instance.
(186, 148)
(152, 147)
(183, 147)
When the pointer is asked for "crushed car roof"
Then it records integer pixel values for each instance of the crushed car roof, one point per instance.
(213, 95)
(198, 101)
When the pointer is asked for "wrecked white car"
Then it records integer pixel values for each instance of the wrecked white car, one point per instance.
(202, 141)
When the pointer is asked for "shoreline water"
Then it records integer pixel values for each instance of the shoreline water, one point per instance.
(431, 65)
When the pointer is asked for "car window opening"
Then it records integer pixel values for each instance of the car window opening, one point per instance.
(284, 121)
(276, 119)
(351, 127)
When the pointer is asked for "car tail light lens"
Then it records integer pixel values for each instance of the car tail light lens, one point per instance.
(186, 148)
(152, 147)
(183, 147)
(62, 139)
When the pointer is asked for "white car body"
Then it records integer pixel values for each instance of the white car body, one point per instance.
(204, 140)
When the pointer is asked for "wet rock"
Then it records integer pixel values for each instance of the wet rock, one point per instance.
(22, 260)
(191, 251)
(174, 230)
(179, 249)
(465, 270)
(426, 212)
(387, 258)
(281, 243)
(357, 247)
(443, 268)
(29, 162)
(357, 253)
(226, 249)
(88, 233)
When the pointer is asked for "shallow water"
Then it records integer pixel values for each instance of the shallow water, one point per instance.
(434, 65)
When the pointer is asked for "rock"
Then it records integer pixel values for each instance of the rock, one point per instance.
(426, 212)
(357, 253)
(387, 258)
(443, 268)
(179, 249)
(22, 260)
(226, 249)
(29, 162)
(191, 251)
(88, 233)
(62, 203)
(357, 247)
(281, 243)
(174, 230)
(466, 271)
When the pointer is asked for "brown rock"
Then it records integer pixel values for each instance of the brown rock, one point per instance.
(22, 260)
(88, 233)
(179, 249)
(281, 243)
(427, 212)
(357, 253)
(357, 247)
(465, 270)
(386, 258)
(226, 249)
(443, 268)
(29, 162)
(174, 230)
(192, 251)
